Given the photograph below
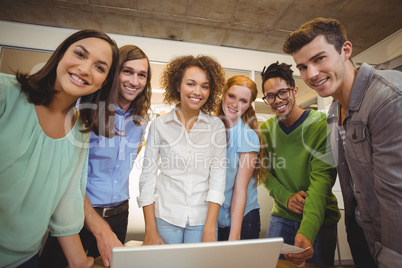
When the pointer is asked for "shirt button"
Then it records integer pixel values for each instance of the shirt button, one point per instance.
(115, 181)
(117, 166)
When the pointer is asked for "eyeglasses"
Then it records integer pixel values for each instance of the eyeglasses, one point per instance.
(283, 94)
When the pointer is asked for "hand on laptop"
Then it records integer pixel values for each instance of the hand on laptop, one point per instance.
(106, 241)
(299, 259)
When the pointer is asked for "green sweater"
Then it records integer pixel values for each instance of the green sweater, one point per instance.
(302, 161)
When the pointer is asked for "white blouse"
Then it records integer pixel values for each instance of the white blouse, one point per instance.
(183, 171)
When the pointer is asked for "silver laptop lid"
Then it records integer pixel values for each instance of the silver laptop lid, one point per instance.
(254, 253)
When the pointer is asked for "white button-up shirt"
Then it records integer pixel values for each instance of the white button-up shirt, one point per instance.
(183, 171)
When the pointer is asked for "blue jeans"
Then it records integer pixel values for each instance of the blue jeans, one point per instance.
(250, 228)
(172, 234)
(324, 244)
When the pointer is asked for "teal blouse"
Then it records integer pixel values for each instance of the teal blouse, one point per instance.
(42, 180)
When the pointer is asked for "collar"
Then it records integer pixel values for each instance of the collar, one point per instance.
(333, 112)
(120, 111)
(239, 124)
(296, 124)
(360, 86)
(171, 116)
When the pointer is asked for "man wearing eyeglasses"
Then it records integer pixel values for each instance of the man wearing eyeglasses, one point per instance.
(301, 172)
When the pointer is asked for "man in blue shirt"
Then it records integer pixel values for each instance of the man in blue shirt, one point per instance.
(110, 163)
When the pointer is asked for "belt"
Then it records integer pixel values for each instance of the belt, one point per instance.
(109, 212)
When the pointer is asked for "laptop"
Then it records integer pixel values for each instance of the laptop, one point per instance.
(256, 253)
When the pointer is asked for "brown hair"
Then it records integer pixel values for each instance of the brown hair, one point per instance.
(174, 71)
(331, 29)
(249, 118)
(142, 103)
(39, 87)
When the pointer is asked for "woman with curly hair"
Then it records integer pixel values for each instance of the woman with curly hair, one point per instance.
(239, 216)
(183, 177)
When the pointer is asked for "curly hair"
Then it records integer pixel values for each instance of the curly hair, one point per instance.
(249, 118)
(174, 71)
(142, 103)
(282, 70)
(331, 29)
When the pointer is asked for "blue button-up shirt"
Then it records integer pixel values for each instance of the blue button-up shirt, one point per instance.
(111, 161)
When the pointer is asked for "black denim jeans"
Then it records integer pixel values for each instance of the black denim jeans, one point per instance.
(31, 263)
(53, 256)
(250, 228)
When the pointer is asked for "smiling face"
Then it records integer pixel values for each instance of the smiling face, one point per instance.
(321, 67)
(282, 108)
(194, 90)
(132, 81)
(236, 102)
(84, 67)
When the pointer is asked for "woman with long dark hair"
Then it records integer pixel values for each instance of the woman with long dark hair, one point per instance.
(44, 146)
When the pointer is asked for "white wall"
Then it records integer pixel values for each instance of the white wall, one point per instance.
(388, 49)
